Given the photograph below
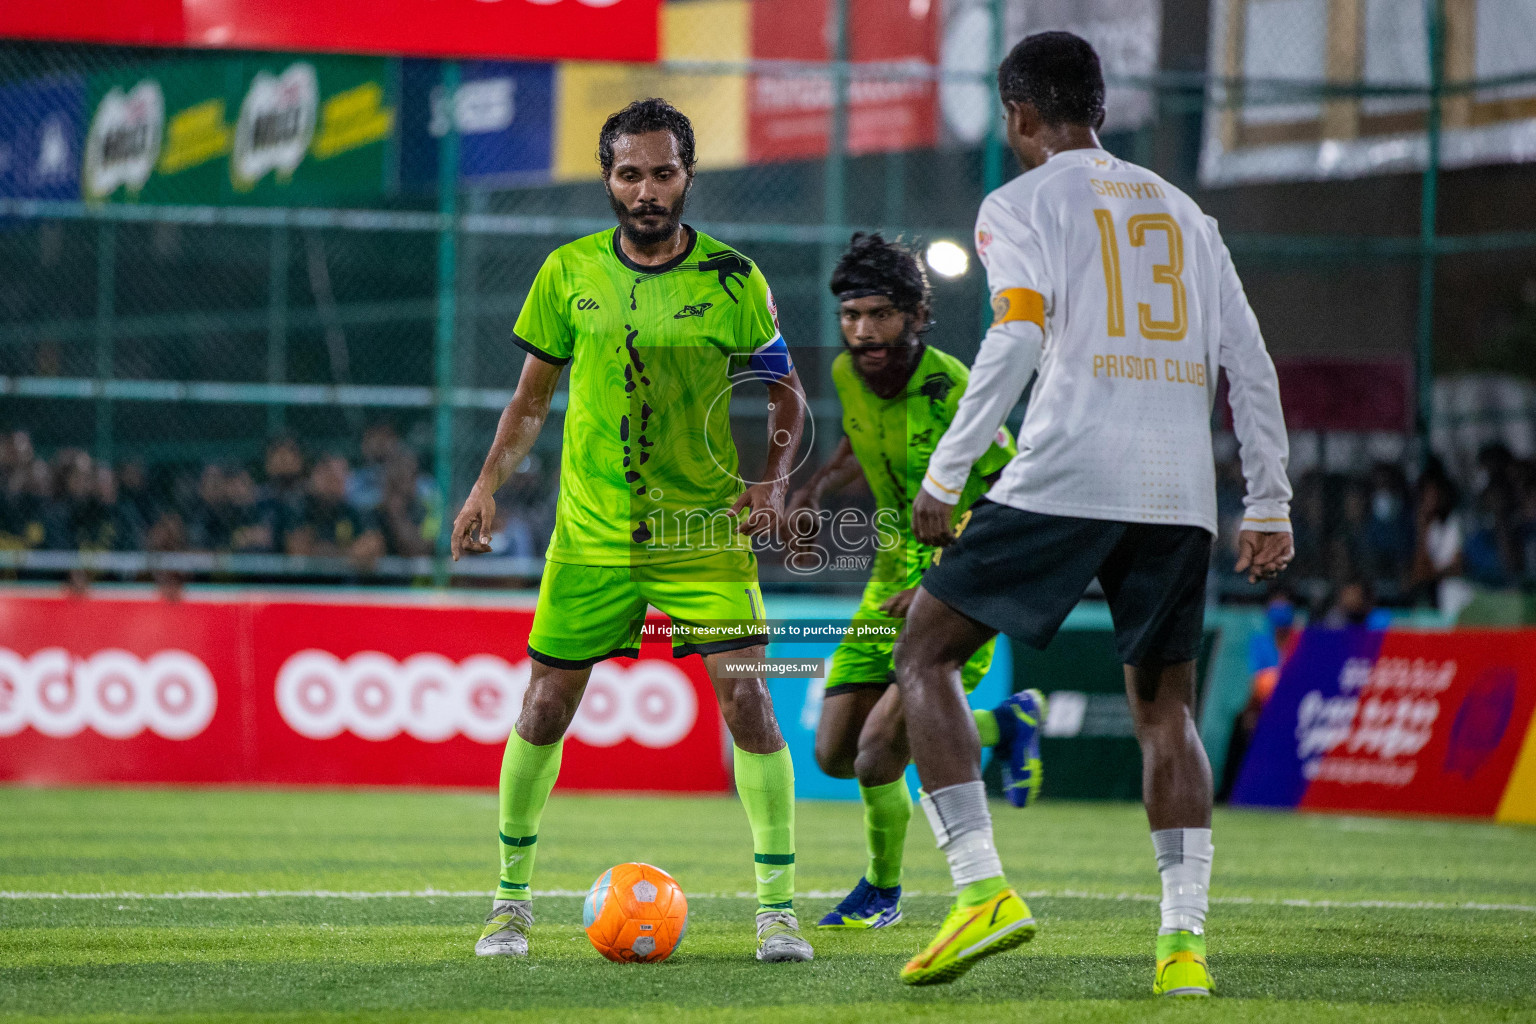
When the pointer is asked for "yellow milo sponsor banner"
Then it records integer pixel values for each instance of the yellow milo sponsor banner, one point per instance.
(272, 129)
(702, 30)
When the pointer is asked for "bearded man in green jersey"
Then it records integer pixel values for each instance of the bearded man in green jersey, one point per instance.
(898, 395)
(657, 321)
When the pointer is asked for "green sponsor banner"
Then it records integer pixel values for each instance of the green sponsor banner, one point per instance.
(312, 129)
(260, 130)
(1088, 744)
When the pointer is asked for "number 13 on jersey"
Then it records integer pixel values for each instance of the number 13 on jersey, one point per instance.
(1168, 274)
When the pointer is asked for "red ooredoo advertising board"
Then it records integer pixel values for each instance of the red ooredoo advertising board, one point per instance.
(535, 29)
(272, 691)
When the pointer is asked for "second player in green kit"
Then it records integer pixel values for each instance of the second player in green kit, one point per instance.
(898, 396)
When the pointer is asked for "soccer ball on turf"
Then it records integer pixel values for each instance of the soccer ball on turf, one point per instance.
(635, 914)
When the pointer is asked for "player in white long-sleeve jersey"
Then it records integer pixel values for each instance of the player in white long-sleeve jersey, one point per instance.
(1115, 293)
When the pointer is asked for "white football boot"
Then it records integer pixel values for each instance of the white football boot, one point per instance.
(506, 929)
(778, 938)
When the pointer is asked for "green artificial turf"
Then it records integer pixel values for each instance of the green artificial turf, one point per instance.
(1360, 944)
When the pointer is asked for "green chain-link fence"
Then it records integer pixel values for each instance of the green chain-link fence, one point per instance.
(209, 284)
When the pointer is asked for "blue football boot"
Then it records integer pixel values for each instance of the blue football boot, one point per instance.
(1022, 770)
(865, 907)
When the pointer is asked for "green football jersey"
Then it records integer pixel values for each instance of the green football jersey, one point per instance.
(894, 438)
(648, 468)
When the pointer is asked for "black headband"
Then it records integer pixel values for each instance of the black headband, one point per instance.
(862, 293)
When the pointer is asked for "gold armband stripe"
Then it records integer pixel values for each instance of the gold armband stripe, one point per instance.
(1013, 304)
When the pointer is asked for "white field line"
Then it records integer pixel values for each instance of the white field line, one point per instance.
(1060, 894)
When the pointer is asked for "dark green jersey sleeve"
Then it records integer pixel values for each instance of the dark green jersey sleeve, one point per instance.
(757, 322)
(544, 327)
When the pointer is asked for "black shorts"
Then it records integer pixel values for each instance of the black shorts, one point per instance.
(1021, 573)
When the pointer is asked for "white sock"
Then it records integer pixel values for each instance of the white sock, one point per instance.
(962, 825)
(1184, 861)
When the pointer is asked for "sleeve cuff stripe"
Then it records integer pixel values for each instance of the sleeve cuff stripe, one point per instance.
(775, 340)
(1271, 519)
(534, 350)
(946, 490)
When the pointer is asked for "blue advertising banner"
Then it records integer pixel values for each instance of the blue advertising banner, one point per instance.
(504, 113)
(1304, 716)
(41, 127)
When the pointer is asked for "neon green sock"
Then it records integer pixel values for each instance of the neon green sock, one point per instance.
(766, 784)
(986, 726)
(528, 773)
(979, 892)
(887, 810)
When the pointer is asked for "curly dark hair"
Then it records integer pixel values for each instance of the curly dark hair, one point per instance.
(873, 266)
(1060, 74)
(641, 116)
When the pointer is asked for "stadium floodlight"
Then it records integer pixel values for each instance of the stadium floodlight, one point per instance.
(947, 259)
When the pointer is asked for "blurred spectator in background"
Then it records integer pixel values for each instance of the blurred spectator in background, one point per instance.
(168, 534)
(1350, 551)
(527, 507)
(252, 531)
(1525, 487)
(87, 520)
(365, 484)
(210, 522)
(1436, 573)
(410, 522)
(1309, 520)
(326, 525)
(512, 538)
(133, 490)
(128, 529)
(1230, 488)
(282, 492)
(1389, 537)
(226, 514)
(40, 524)
(1353, 604)
(22, 516)
(1493, 551)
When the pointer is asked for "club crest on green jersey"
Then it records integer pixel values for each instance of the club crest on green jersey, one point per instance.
(728, 265)
(936, 387)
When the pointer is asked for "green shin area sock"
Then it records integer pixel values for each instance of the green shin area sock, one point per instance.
(979, 892)
(887, 811)
(766, 784)
(528, 773)
(986, 726)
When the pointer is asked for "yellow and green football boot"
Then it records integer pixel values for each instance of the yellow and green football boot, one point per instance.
(1181, 969)
(970, 934)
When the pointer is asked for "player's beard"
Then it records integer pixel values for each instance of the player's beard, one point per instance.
(638, 236)
(891, 379)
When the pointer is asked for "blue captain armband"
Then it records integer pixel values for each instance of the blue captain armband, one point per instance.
(771, 363)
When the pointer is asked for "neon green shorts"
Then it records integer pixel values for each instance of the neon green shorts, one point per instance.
(857, 664)
(587, 613)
